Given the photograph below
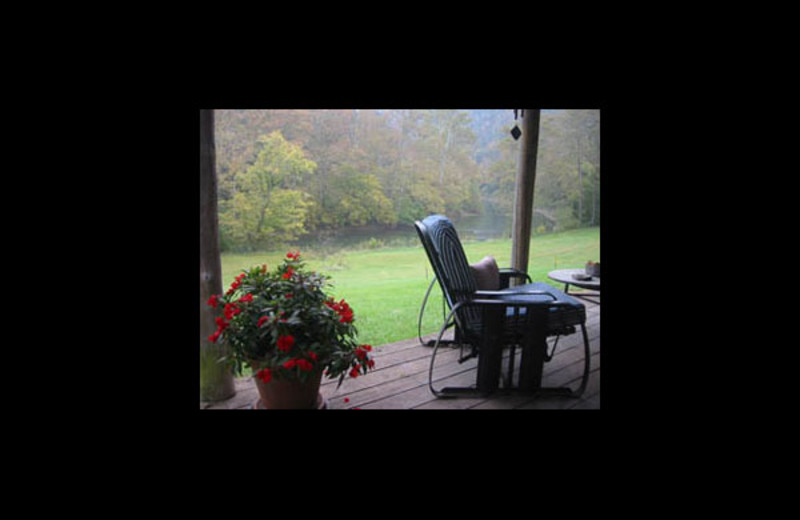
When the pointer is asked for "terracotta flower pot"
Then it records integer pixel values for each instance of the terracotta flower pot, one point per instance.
(280, 394)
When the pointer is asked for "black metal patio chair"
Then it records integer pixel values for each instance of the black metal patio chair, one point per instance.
(504, 277)
(487, 321)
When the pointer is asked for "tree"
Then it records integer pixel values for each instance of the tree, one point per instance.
(265, 208)
(358, 200)
(568, 170)
(498, 177)
(581, 140)
(454, 144)
(388, 166)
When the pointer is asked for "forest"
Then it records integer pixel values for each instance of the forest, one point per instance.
(285, 173)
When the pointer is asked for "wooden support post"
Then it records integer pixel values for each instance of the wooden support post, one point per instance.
(216, 381)
(523, 204)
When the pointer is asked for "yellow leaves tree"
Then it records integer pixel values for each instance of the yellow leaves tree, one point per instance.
(266, 209)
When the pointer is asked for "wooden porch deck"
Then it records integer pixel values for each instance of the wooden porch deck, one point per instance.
(400, 378)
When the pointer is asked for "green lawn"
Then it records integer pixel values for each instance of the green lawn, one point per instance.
(385, 287)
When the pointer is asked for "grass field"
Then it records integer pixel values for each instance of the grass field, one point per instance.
(385, 287)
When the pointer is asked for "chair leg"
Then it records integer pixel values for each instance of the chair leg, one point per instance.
(534, 352)
(587, 356)
(450, 391)
(490, 358)
(510, 379)
(422, 310)
(566, 391)
(531, 365)
(430, 343)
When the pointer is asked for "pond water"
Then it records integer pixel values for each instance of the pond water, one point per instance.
(473, 227)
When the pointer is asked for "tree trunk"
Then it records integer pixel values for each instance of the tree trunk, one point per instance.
(443, 156)
(354, 129)
(216, 381)
(526, 178)
(595, 182)
(580, 185)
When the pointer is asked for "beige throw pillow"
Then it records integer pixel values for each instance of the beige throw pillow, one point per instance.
(486, 274)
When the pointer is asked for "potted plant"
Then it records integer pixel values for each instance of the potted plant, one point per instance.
(283, 326)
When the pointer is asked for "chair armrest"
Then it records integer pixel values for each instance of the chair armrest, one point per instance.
(509, 272)
(512, 270)
(490, 294)
(503, 305)
(483, 297)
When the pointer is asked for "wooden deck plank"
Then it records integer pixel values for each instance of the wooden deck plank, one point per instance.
(400, 380)
(566, 369)
(592, 390)
(452, 374)
(407, 377)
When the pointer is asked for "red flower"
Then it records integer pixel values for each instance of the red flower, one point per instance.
(213, 338)
(246, 298)
(346, 400)
(342, 309)
(262, 320)
(231, 310)
(313, 356)
(222, 324)
(305, 365)
(290, 364)
(285, 343)
(212, 301)
(354, 373)
(288, 274)
(346, 312)
(371, 363)
(237, 282)
(264, 375)
(293, 256)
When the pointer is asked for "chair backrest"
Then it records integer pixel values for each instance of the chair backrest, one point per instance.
(443, 247)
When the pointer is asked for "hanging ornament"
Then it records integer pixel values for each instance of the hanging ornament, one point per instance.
(516, 132)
